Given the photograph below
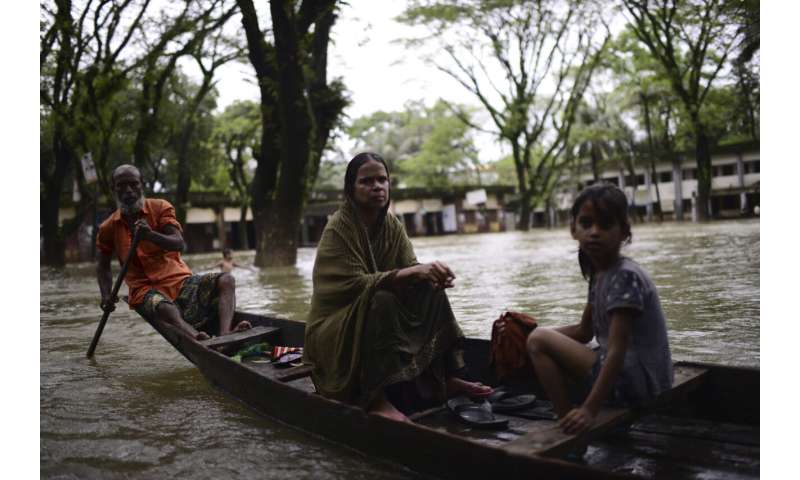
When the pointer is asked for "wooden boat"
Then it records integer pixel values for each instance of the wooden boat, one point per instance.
(707, 426)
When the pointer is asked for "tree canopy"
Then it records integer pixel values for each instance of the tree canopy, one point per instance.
(423, 146)
(546, 53)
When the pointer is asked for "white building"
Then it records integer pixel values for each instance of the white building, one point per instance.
(735, 186)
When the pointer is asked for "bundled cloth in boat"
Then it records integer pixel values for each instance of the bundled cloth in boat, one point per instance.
(360, 337)
(509, 354)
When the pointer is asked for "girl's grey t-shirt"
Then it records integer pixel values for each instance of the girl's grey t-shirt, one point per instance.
(647, 369)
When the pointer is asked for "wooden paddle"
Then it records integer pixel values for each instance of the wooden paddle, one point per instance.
(117, 284)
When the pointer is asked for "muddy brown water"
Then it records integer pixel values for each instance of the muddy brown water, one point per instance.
(139, 409)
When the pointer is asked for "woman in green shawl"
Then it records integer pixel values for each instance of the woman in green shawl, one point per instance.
(380, 333)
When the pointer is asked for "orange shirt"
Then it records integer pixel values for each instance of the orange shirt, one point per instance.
(151, 266)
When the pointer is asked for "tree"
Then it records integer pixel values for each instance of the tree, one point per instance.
(692, 40)
(423, 146)
(175, 37)
(238, 133)
(82, 66)
(213, 51)
(100, 74)
(299, 109)
(545, 53)
(391, 134)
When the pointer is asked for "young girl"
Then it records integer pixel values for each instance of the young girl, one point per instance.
(633, 363)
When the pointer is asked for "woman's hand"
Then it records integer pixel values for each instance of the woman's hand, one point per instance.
(437, 273)
(577, 420)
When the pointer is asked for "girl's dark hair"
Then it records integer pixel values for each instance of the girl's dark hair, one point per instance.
(351, 175)
(612, 205)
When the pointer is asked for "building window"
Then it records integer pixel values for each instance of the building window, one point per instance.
(664, 177)
(640, 179)
(614, 180)
(753, 166)
(689, 173)
(728, 169)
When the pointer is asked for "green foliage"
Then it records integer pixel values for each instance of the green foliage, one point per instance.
(505, 172)
(236, 136)
(331, 174)
(423, 146)
(639, 78)
(527, 64)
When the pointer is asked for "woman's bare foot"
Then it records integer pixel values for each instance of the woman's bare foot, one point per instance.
(456, 386)
(384, 408)
(201, 336)
(242, 326)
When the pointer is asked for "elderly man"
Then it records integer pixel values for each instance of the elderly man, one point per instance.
(161, 287)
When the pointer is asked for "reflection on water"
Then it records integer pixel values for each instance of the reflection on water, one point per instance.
(139, 408)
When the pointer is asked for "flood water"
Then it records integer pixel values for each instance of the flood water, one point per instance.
(139, 409)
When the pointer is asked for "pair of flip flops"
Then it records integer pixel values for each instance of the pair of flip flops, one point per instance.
(504, 399)
(283, 357)
(475, 413)
(479, 413)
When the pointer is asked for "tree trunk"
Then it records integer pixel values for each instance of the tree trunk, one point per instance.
(595, 160)
(261, 56)
(525, 210)
(632, 212)
(296, 137)
(294, 127)
(184, 177)
(525, 196)
(703, 154)
(244, 242)
(653, 175)
(53, 243)
(51, 201)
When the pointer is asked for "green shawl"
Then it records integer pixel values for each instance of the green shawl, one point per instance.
(347, 272)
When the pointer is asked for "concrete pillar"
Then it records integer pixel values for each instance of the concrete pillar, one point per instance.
(419, 222)
(740, 174)
(303, 231)
(219, 213)
(648, 204)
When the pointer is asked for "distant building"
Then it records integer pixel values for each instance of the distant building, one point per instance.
(735, 186)
(212, 221)
(423, 211)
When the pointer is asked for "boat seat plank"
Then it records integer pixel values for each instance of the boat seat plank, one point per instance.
(547, 439)
(237, 340)
(294, 373)
(305, 384)
(701, 429)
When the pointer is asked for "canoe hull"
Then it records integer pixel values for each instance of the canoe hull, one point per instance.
(432, 451)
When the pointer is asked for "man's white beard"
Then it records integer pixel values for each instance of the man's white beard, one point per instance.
(131, 210)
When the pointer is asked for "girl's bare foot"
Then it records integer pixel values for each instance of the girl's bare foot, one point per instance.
(456, 386)
(384, 408)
